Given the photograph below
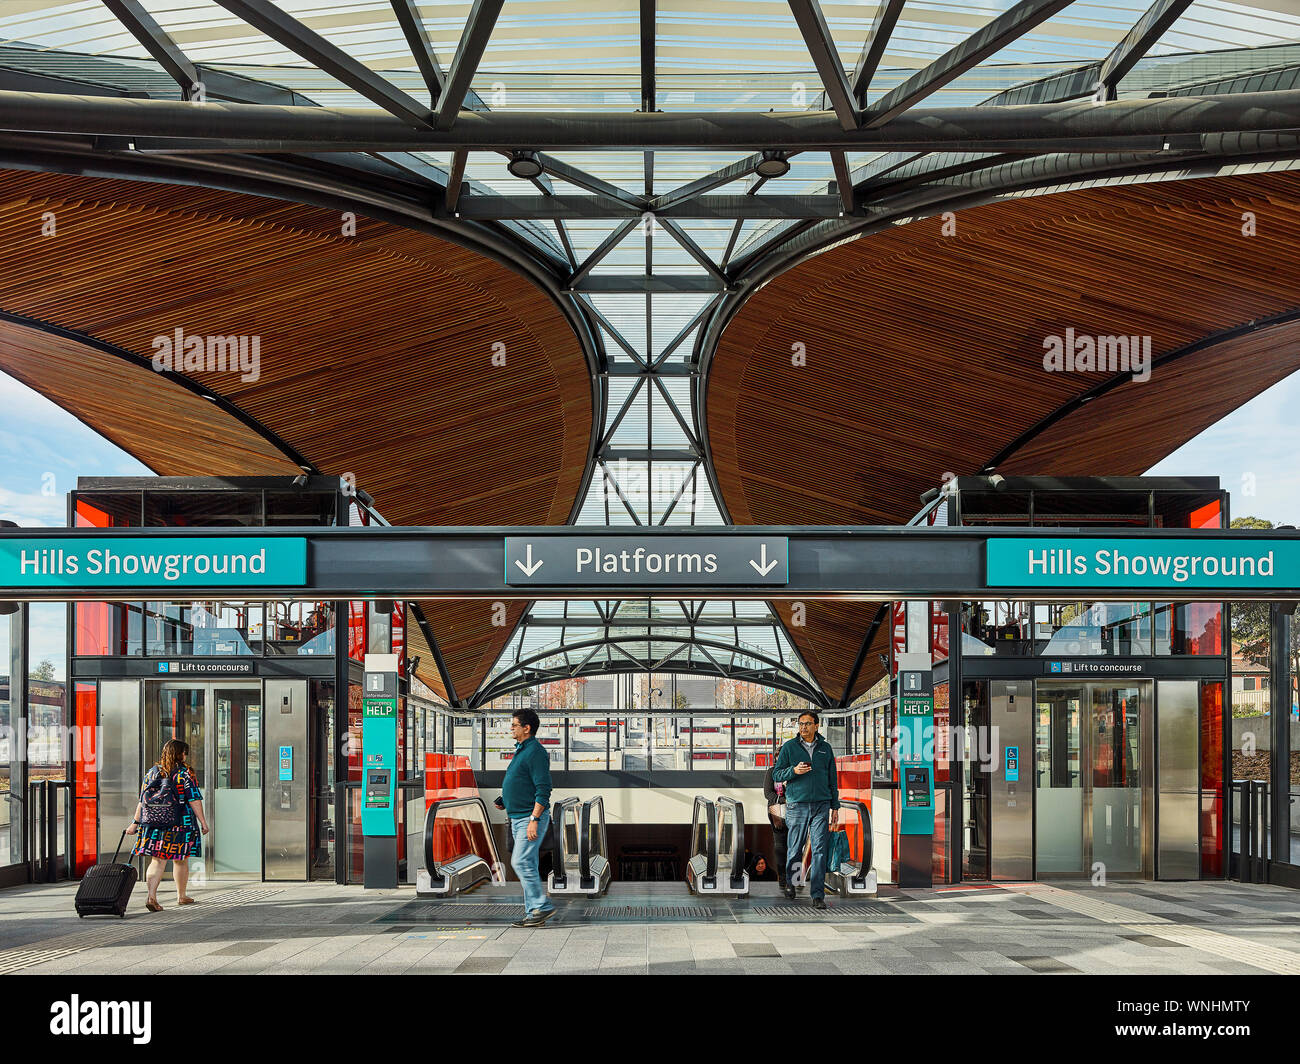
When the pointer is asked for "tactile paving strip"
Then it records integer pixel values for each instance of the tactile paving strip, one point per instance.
(107, 930)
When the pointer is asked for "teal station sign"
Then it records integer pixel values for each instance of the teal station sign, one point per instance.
(1202, 562)
(77, 561)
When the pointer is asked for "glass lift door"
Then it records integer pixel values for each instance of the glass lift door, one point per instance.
(1092, 779)
(222, 724)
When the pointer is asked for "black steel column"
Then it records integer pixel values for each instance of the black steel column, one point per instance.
(956, 715)
(1279, 662)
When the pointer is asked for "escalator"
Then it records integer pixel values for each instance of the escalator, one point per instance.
(579, 848)
(459, 850)
(854, 876)
(717, 864)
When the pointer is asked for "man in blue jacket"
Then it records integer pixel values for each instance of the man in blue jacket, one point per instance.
(806, 765)
(526, 796)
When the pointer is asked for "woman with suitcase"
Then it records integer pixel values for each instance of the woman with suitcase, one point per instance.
(169, 818)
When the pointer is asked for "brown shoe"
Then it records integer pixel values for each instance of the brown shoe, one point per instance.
(152, 905)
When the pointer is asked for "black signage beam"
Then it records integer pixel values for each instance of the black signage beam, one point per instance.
(865, 563)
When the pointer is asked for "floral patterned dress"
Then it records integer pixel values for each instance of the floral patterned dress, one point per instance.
(175, 843)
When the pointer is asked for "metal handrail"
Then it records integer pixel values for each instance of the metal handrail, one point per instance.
(859, 878)
(431, 865)
(737, 838)
(584, 842)
(710, 836)
(558, 868)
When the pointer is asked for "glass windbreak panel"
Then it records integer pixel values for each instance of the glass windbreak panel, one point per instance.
(630, 744)
(1058, 779)
(670, 744)
(300, 508)
(710, 743)
(237, 795)
(1188, 628)
(11, 769)
(754, 736)
(1115, 732)
(1096, 629)
(591, 740)
(47, 695)
(551, 736)
(499, 747)
(977, 774)
(206, 508)
(298, 629)
(107, 628)
(997, 627)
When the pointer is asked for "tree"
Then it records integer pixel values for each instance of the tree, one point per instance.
(43, 671)
(1251, 627)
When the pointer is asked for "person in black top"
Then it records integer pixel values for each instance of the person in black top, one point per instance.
(776, 816)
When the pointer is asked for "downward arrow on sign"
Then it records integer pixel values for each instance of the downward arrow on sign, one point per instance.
(532, 566)
(766, 567)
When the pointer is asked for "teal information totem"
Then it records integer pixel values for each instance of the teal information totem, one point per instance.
(379, 783)
(915, 696)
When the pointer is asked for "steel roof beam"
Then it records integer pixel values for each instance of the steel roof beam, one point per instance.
(232, 127)
(494, 207)
(873, 48)
(1138, 41)
(987, 41)
(821, 46)
(417, 39)
(606, 246)
(692, 248)
(264, 16)
(473, 42)
(637, 282)
(648, 55)
(154, 40)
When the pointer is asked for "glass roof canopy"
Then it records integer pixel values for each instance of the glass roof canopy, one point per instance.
(706, 56)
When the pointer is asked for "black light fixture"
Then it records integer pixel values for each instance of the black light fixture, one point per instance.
(525, 164)
(773, 164)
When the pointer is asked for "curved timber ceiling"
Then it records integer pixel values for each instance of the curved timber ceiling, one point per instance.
(376, 357)
(925, 356)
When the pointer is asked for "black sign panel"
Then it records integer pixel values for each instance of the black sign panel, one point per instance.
(636, 560)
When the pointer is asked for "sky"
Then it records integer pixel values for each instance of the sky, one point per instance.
(43, 450)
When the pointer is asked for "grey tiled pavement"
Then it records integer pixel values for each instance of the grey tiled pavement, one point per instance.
(1203, 928)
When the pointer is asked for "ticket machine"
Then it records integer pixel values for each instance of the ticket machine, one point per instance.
(379, 772)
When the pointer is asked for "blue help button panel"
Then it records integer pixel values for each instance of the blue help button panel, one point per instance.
(1013, 764)
(1065, 561)
(286, 764)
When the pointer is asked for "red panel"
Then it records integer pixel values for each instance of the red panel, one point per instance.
(938, 632)
(85, 777)
(1207, 516)
(357, 631)
(1212, 834)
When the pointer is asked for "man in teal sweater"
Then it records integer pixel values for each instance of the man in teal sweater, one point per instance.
(526, 798)
(806, 765)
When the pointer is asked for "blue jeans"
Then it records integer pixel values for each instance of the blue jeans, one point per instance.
(524, 861)
(802, 820)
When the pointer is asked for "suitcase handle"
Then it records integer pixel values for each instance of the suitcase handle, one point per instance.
(119, 845)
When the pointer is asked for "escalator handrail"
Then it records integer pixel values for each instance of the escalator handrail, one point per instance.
(710, 834)
(737, 838)
(558, 869)
(864, 817)
(431, 865)
(584, 837)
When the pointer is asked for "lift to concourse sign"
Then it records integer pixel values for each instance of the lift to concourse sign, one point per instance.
(677, 561)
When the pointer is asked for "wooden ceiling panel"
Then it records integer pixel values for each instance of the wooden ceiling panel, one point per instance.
(452, 388)
(924, 353)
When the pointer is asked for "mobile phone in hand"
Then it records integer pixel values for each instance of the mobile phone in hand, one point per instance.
(497, 801)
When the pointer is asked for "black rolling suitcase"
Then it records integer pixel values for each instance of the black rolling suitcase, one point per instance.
(105, 889)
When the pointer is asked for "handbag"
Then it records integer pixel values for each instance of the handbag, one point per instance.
(160, 806)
